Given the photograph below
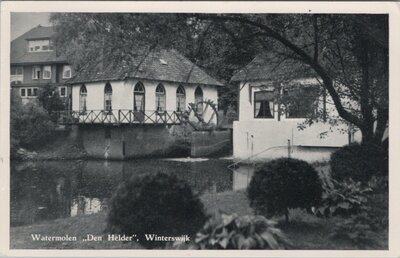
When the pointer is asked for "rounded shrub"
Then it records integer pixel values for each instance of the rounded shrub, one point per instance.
(156, 204)
(282, 184)
(358, 161)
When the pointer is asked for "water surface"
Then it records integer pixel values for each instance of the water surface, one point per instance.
(46, 190)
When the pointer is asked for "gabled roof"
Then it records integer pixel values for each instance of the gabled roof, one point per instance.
(160, 65)
(268, 66)
(19, 48)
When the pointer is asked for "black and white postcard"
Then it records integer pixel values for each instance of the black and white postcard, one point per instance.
(199, 129)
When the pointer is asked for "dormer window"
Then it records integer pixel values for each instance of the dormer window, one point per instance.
(41, 45)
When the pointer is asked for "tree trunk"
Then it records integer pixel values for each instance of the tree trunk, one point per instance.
(367, 128)
(382, 119)
(287, 216)
(367, 134)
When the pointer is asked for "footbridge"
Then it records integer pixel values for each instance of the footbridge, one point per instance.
(115, 117)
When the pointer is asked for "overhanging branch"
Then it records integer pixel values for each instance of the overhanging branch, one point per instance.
(327, 80)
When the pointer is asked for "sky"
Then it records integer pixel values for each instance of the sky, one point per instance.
(22, 22)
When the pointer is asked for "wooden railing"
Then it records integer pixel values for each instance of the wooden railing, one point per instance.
(120, 116)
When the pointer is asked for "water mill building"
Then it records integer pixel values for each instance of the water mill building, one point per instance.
(132, 110)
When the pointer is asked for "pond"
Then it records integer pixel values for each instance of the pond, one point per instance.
(47, 190)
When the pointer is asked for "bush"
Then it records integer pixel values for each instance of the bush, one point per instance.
(282, 184)
(358, 161)
(359, 230)
(223, 231)
(343, 198)
(368, 228)
(50, 99)
(30, 126)
(158, 204)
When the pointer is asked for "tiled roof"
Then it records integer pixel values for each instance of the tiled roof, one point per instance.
(19, 48)
(161, 65)
(271, 67)
(39, 32)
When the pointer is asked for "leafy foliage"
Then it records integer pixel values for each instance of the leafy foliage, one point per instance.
(30, 125)
(356, 229)
(282, 184)
(199, 40)
(379, 184)
(349, 53)
(223, 231)
(368, 228)
(50, 100)
(155, 204)
(342, 198)
(358, 161)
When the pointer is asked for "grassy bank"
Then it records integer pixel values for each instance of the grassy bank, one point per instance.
(305, 231)
(60, 147)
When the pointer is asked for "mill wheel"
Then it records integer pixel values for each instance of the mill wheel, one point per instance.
(199, 117)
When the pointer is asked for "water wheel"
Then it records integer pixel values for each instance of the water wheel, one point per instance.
(202, 116)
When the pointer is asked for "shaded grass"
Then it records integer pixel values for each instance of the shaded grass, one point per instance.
(227, 202)
(305, 231)
(59, 147)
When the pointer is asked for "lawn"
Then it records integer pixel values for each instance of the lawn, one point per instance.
(305, 231)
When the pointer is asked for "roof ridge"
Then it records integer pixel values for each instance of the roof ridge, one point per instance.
(195, 65)
(30, 31)
(269, 65)
(177, 70)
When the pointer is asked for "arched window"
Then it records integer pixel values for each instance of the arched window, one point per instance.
(82, 98)
(180, 99)
(138, 97)
(198, 100)
(108, 97)
(160, 98)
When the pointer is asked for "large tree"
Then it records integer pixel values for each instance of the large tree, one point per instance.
(348, 53)
(87, 40)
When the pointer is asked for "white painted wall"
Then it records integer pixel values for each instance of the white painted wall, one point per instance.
(246, 103)
(252, 136)
(122, 97)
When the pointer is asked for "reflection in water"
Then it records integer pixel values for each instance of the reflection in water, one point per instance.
(83, 205)
(47, 190)
(242, 176)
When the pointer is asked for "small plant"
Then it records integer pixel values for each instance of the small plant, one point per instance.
(358, 230)
(379, 184)
(223, 231)
(158, 204)
(282, 184)
(368, 228)
(359, 162)
(342, 198)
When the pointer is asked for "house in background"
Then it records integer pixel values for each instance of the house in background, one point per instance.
(276, 97)
(35, 63)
